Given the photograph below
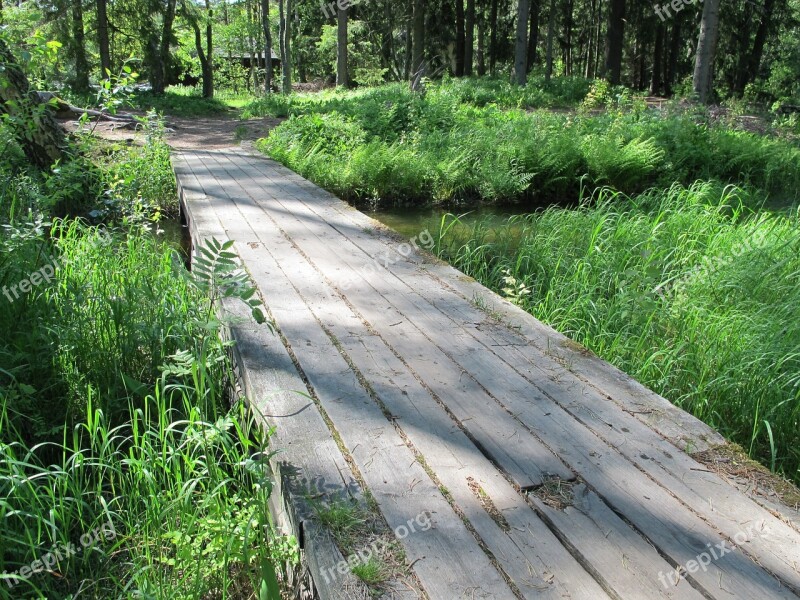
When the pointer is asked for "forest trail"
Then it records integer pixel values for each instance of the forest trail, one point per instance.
(507, 461)
(188, 133)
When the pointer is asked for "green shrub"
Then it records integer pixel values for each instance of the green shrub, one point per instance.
(459, 151)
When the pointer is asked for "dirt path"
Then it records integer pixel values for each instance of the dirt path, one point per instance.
(191, 133)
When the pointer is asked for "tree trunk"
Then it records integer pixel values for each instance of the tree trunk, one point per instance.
(208, 74)
(388, 57)
(568, 37)
(521, 45)
(612, 68)
(703, 79)
(482, 44)
(674, 51)
(342, 78)
(741, 76)
(642, 46)
(656, 83)
(492, 36)
(79, 48)
(267, 46)
(469, 37)
(251, 43)
(598, 37)
(286, 46)
(36, 131)
(761, 38)
(418, 41)
(590, 44)
(102, 38)
(551, 22)
(459, 66)
(533, 34)
(409, 40)
(204, 54)
(164, 55)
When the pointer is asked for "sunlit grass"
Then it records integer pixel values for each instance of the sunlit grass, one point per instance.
(186, 101)
(119, 426)
(387, 145)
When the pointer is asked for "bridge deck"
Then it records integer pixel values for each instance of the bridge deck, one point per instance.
(504, 460)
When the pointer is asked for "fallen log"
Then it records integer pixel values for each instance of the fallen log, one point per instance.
(65, 110)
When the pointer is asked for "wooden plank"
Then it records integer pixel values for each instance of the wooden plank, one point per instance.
(614, 552)
(352, 334)
(531, 556)
(508, 444)
(676, 471)
(446, 557)
(702, 490)
(309, 462)
(295, 238)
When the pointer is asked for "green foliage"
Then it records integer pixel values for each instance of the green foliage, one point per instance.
(181, 496)
(216, 273)
(127, 350)
(36, 52)
(139, 182)
(372, 572)
(115, 393)
(388, 144)
(184, 101)
(364, 60)
(686, 290)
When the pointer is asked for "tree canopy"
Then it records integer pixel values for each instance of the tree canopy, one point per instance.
(682, 46)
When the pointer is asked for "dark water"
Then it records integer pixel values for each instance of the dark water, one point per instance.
(411, 221)
(175, 234)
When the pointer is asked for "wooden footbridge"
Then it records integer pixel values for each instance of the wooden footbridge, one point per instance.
(501, 459)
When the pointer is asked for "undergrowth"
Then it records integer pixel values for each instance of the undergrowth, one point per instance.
(128, 466)
(388, 145)
(185, 101)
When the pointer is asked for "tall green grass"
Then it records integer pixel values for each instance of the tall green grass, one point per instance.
(685, 289)
(560, 92)
(388, 145)
(114, 396)
(120, 430)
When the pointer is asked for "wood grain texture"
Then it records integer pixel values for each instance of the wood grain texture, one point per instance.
(445, 411)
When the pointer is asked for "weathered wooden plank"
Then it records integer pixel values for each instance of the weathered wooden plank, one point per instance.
(615, 553)
(531, 556)
(309, 461)
(664, 522)
(676, 425)
(446, 557)
(422, 311)
(508, 444)
(676, 471)
(775, 544)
